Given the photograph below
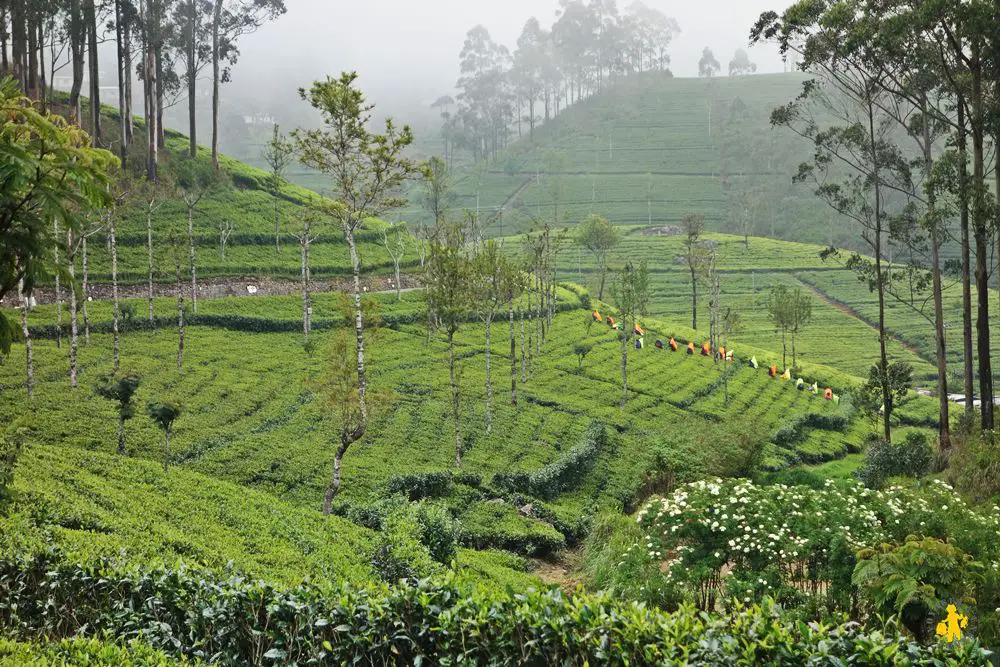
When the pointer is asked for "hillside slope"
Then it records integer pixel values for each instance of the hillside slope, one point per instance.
(651, 150)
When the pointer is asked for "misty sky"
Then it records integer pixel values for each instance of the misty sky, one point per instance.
(408, 49)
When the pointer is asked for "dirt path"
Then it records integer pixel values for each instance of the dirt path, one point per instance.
(848, 310)
(562, 570)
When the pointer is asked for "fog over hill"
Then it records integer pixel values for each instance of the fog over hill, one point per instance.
(407, 52)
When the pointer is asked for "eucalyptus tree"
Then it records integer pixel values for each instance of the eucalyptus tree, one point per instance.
(694, 258)
(196, 180)
(394, 240)
(490, 289)
(366, 170)
(856, 160)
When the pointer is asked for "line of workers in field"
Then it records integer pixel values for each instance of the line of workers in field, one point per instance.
(721, 353)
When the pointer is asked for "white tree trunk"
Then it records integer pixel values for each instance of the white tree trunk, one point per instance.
(524, 369)
(74, 337)
(358, 325)
(116, 306)
(455, 403)
(513, 353)
(29, 352)
(86, 291)
(191, 255)
(489, 384)
(55, 225)
(149, 256)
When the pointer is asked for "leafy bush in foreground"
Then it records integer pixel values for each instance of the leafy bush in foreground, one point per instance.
(91, 652)
(911, 458)
(234, 621)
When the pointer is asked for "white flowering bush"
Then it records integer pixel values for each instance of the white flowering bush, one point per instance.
(721, 540)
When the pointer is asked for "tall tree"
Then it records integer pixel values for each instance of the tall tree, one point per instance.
(394, 240)
(859, 147)
(196, 179)
(366, 170)
(630, 295)
(740, 64)
(599, 237)
(278, 153)
(778, 305)
(693, 258)
(708, 66)
(447, 293)
(490, 275)
(192, 40)
(232, 19)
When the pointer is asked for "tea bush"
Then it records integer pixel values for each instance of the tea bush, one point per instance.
(910, 458)
(231, 620)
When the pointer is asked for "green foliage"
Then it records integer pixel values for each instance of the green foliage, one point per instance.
(237, 621)
(911, 458)
(11, 444)
(561, 474)
(89, 652)
(915, 581)
(496, 525)
(50, 175)
(438, 532)
(417, 486)
(122, 390)
(719, 540)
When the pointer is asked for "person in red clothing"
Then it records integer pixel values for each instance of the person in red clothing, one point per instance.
(706, 350)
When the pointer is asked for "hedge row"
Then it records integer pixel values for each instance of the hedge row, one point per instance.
(231, 621)
(244, 323)
(793, 429)
(561, 474)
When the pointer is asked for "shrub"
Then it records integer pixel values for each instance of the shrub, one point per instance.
(399, 553)
(912, 457)
(915, 581)
(235, 621)
(417, 486)
(561, 474)
(498, 526)
(438, 532)
(91, 652)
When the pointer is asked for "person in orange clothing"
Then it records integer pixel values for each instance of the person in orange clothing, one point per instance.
(597, 317)
(773, 370)
(706, 350)
(691, 348)
(673, 344)
(611, 322)
(828, 394)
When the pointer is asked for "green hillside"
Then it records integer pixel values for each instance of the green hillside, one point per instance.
(651, 150)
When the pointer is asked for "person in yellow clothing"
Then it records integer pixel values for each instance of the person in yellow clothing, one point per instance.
(691, 348)
(706, 350)
(597, 317)
(787, 375)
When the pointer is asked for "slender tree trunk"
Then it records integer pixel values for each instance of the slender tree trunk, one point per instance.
(216, 78)
(121, 436)
(192, 47)
(489, 384)
(74, 338)
(127, 72)
(694, 297)
(149, 256)
(784, 350)
(180, 315)
(116, 305)
(151, 85)
(166, 451)
(358, 327)
(624, 340)
(513, 352)
(944, 436)
(334, 487)
(122, 74)
(793, 348)
(86, 290)
(193, 259)
(55, 225)
(538, 318)
(77, 40)
(980, 232)
(524, 366)
(600, 290)
(32, 36)
(161, 138)
(963, 180)
(29, 352)
(304, 244)
(455, 404)
(90, 15)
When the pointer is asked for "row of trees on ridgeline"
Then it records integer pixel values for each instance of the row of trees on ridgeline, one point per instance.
(588, 46)
(166, 45)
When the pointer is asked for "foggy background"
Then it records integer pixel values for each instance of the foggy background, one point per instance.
(406, 51)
